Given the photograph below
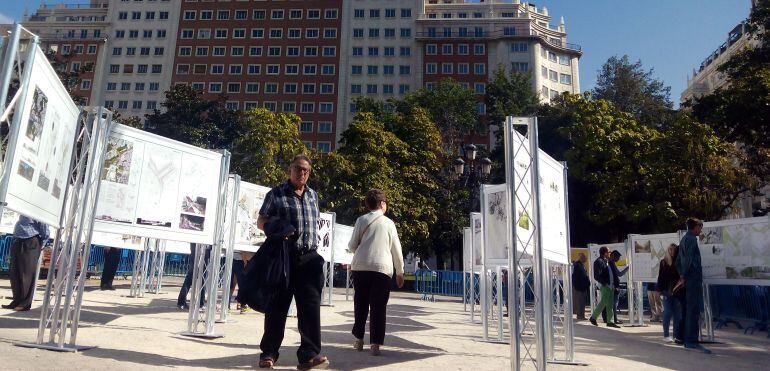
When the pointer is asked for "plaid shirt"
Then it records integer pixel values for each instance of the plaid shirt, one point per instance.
(28, 228)
(301, 211)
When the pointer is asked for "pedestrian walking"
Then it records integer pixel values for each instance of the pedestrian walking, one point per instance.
(603, 275)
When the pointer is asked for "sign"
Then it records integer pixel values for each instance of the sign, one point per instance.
(494, 216)
(621, 264)
(736, 251)
(553, 209)
(325, 236)
(250, 198)
(41, 163)
(647, 251)
(158, 188)
(342, 235)
(476, 241)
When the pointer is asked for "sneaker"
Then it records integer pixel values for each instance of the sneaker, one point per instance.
(593, 321)
(358, 345)
(612, 325)
(668, 339)
(375, 349)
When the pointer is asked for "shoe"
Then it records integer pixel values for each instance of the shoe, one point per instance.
(668, 339)
(358, 345)
(319, 362)
(375, 349)
(266, 362)
(110, 288)
(612, 325)
(103, 288)
(183, 307)
(697, 347)
(581, 318)
(678, 341)
(22, 309)
(12, 305)
(593, 321)
(618, 322)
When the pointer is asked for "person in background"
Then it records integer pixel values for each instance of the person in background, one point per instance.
(653, 297)
(377, 252)
(111, 261)
(181, 301)
(29, 237)
(688, 265)
(603, 275)
(667, 279)
(580, 286)
(616, 274)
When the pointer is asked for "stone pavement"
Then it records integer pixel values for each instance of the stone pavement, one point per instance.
(144, 334)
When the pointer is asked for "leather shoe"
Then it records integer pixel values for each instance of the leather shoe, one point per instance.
(593, 321)
(612, 325)
(9, 306)
(22, 309)
(319, 362)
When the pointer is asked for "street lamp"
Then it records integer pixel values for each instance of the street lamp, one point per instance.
(475, 175)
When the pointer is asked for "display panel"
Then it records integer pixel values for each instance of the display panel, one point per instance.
(553, 209)
(647, 252)
(325, 236)
(250, 198)
(495, 223)
(736, 251)
(342, 235)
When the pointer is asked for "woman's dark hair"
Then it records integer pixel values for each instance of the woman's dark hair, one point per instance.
(373, 199)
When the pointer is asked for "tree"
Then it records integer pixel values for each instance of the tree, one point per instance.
(265, 145)
(190, 118)
(633, 90)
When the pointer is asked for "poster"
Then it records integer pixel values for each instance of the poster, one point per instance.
(325, 236)
(736, 251)
(250, 197)
(648, 251)
(467, 258)
(121, 241)
(476, 240)
(494, 215)
(575, 253)
(523, 205)
(553, 209)
(342, 235)
(49, 120)
(158, 188)
(621, 264)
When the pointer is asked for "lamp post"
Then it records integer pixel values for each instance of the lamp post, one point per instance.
(477, 172)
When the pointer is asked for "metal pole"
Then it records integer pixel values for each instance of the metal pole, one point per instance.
(330, 292)
(485, 297)
(514, 311)
(232, 220)
(631, 289)
(499, 287)
(465, 272)
(539, 266)
(6, 69)
(473, 269)
(162, 266)
(569, 325)
(347, 283)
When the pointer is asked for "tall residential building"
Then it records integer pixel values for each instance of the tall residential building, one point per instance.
(314, 57)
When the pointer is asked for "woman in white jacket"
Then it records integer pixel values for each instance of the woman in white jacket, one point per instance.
(377, 253)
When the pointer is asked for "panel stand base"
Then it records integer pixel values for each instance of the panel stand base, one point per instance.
(205, 336)
(56, 348)
(571, 363)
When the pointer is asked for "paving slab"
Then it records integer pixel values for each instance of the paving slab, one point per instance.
(144, 333)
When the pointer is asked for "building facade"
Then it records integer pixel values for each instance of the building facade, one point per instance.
(314, 57)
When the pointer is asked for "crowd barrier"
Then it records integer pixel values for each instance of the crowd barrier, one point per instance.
(747, 306)
(430, 283)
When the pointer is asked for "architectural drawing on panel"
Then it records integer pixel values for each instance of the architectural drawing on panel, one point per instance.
(158, 191)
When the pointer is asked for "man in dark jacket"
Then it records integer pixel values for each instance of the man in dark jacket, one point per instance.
(603, 275)
(580, 286)
(688, 265)
(616, 274)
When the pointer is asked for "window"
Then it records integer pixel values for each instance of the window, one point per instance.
(258, 14)
(306, 126)
(136, 15)
(374, 51)
(233, 87)
(119, 34)
(204, 33)
(241, 15)
(252, 87)
(374, 32)
(356, 70)
(182, 69)
(403, 89)
(206, 15)
(307, 107)
(372, 70)
(294, 33)
(133, 34)
(85, 85)
(478, 49)
(564, 60)
(358, 51)
(312, 33)
(390, 33)
(271, 88)
(355, 89)
(220, 33)
(553, 75)
(295, 14)
(324, 127)
(430, 68)
(519, 47)
(390, 13)
(462, 49)
(159, 51)
(199, 69)
(215, 87)
(327, 88)
(509, 31)
(374, 13)
(329, 51)
(544, 72)
(520, 66)
(122, 104)
(554, 94)
(123, 15)
(112, 86)
(125, 86)
(406, 13)
(406, 32)
(223, 15)
(481, 108)
(249, 105)
(137, 104)
(328, 69)
(189, 15)
(314, 14)
(387, 89)
(371, 89)
(565, 78)
(405, 51)
(479, 68)
(163, 15)
(274, 51)
(273, 69)
(187, 34)
(358, 33)
(479, 88)
(142, 68)
(257, 33)
(217, 69)
(142, 51)
(292, 51)
(76, 66)
(276, 14)
(330, 14)
(404, 70)
(270, 106)
(508, 15)
(311, 51)
(255, 69)
(151, 104)
(291, 69)
(219, 51)
(276, 33)
(202, 51)
(446, 68)
(446, 49)
(462, 68)
(388, 70)
(552, 56)
(161, 34)
(359, 13)
(324, 147)
(430, 49)
(462, 31)
(117, 51)
(308, 88)
(236, 69)
(326, 107)
(109, 104)
(239, 33)
(309, 69)
(389, 51)
(114, 68)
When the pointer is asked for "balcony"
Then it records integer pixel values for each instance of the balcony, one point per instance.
(499, 34)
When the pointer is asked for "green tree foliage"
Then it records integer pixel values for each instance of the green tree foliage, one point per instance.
(190, 118)
(633, 90)
(265, 146)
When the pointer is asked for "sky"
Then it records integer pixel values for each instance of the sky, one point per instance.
(672, 37)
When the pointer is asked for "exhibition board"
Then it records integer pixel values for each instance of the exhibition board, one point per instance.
(476, 240)
(156, 187)
(621, 264)
(736, 251)
(646, 253)
(467, 257)
(9, 219)
(250, 198)
(522, 198)
(43, 151)
(494, 219)
(122, 241)
(325, 235)
(553, 209)
(342, 235)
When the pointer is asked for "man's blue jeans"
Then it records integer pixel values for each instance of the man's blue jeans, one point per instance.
(671, 310)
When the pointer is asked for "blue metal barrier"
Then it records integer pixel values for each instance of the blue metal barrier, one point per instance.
(741, 305)
(5, 252)
(430, 283)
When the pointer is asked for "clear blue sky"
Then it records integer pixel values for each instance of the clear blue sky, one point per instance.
(672, 37)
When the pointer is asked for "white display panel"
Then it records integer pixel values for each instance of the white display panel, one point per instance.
(49, 119)
(250, 198)
(522, 202)
(736, 252)
(647, 252)
(495, 223)
(342, 235)
(476, 240)
(9, 220)
(177, 247)
(325, 236)
(122, 241)
(621, 264)
(467, 236)
(158, 188)
(553, 209)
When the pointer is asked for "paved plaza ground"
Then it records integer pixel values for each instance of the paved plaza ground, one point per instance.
(144, 333)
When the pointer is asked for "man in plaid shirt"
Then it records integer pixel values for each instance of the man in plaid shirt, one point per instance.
(296, 203)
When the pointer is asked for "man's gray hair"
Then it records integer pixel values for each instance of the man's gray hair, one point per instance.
(301, 157)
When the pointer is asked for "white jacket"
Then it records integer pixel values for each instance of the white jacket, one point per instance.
(379, 249)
